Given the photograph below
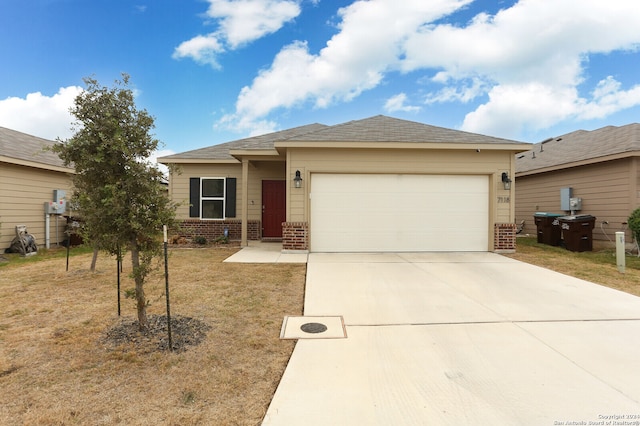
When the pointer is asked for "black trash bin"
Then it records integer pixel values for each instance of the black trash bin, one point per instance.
(72, 230)
(548, 228)
(577, 232)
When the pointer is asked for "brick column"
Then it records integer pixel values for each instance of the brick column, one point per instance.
(295, 236)
(504, 237)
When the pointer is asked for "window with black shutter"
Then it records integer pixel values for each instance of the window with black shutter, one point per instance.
(212, 197)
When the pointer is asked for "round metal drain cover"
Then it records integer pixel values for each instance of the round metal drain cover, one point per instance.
(313, 327)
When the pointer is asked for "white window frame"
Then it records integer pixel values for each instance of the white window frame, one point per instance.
(204, 198)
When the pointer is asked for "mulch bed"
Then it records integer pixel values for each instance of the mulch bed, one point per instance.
(185, 332)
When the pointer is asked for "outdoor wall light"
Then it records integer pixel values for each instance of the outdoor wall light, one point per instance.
(297, 181)
(506, 181)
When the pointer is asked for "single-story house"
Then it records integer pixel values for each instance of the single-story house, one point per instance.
(374, 185)
(599, 169)
(29, 175)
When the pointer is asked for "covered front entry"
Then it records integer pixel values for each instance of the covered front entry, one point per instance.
(273, 208)
(399, 213)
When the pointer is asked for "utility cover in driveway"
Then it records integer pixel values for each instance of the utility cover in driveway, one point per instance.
(399, 213)
(316, 327)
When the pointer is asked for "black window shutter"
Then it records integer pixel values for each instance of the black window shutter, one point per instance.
(194, 197)
(230, 205)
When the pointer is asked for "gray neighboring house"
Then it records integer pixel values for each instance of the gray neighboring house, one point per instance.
(28, 177)
(602, 169)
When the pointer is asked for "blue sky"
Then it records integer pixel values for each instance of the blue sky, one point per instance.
(212, 71)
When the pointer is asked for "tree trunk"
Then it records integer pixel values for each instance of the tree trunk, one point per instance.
(141, 302)
(94, 259)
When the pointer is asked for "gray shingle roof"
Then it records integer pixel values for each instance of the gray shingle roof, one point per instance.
(21, 146)
(387, 129)
(580, 145)
(375, 129)
(221, 151)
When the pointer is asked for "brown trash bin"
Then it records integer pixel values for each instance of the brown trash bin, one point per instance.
(72, 231)
(548, 228)
(577, 232)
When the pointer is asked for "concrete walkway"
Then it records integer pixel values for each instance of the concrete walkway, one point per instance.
(260, 252)
(460, 339)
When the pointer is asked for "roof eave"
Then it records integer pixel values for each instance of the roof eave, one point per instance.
(167, 160)
(256, 154)
(36, 165)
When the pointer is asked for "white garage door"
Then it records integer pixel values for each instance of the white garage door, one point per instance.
(386, 213)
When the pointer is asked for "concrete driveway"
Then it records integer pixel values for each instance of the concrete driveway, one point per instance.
(461, 339)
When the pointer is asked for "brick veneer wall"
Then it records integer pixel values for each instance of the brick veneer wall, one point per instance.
(295, 236)
(504, 237)
(212, 229)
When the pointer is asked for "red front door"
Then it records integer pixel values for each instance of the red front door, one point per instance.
(273, 208)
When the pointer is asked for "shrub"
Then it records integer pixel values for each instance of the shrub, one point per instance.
(634, 223)
(222, 240)
(200, 240)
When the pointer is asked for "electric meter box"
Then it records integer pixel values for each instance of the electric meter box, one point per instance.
(59, 194)
(565, 198)
(55, 207)
(575, 204)
(59, 203)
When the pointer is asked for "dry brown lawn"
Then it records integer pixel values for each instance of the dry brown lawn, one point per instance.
(597, 266)
(57, 369)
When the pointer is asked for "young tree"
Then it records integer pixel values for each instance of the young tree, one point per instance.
(119, 194)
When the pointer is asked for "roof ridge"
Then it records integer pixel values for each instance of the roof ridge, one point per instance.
(385, 128)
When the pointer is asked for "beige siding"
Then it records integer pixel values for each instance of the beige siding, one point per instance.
(23, 192)
(607, 191)
(258, 171)
(412, 161)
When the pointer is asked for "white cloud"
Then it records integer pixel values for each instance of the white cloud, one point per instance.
(529, 60)
(239, 22)
(398, 103)
(463, 92)
(39, 115)
(513, 108)
(243, 21)
(525, 63)
(202, 49)
(354, 60)
(608, 98)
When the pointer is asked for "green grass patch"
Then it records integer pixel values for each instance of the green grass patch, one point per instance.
(16, 259)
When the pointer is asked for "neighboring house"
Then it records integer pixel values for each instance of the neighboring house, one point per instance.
(373, 185)
(601, 167)
(28, 176)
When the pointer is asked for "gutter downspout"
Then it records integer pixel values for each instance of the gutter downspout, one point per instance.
(47, 219)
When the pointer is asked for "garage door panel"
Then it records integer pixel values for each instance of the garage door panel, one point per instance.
(399, 213)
